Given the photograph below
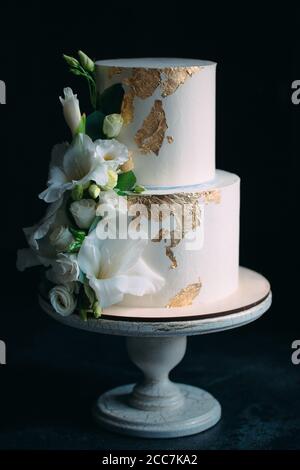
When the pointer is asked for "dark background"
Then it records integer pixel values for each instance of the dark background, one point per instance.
(53, 373)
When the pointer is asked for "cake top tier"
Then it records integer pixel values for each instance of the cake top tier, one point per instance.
(155, 63)
(168, 110)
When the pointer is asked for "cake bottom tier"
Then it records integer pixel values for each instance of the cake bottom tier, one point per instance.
(202, 265)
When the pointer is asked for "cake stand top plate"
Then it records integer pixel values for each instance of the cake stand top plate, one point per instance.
(249, 302)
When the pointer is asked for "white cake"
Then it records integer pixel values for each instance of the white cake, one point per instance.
(181, 93)
(169, 126)
(137, 215)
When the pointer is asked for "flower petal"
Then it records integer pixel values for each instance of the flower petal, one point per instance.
(89, 257)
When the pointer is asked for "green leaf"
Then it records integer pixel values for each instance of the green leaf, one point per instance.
(94, 223)
(126, 181)
(94, 124)
(110, 101)
(74, 247)
(79, 235)
(83, 314)
(89, 293)
(82, 125)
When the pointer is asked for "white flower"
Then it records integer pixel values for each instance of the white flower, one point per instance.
(71, 109)
(61, 238)
(62, 300)
(115, 268)
(27, 258)
(64, 269)
(40, 251)
(112, 152)
(79, 163)
(84, 212)
(112, 180)
(112, 209)
(112, 125)
(40, 230)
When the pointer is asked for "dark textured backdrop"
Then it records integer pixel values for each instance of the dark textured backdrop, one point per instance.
(53, 373)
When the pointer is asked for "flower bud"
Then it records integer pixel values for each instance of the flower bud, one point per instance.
(71, 61)
(112, 125)
(84, 212)
(139, 189)
(61, 238)
(71, 110)
(77, 192)
(97, 310)
(94, 191)
(112, 180)
(87, 63)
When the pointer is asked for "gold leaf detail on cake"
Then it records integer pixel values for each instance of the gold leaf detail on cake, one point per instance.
(172, 257)
(127, 108)
(143, 82)
(179, 204)
(150, 136)
(186, 296)
(174, 77)
(114, 71)
(170, 139)
(211, 196)
(129, 165)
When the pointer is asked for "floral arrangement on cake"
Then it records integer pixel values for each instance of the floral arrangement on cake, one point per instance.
(85, 272)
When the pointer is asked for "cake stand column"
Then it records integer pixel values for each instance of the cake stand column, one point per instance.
(156, 406)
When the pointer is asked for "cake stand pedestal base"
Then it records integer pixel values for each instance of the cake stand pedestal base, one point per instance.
(156, 342)
(157, 407)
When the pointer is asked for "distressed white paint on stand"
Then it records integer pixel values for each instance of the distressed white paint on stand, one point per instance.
(157, 407)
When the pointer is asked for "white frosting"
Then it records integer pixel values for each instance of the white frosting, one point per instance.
(215, 264)
(190, 117)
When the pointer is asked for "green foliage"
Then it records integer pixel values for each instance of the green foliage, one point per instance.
(110, 101)
(126, 181)
(94, 124)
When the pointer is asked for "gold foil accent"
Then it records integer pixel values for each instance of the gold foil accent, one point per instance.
(129, 165)
(114, 71)
(174, 77)
(170, 139)
(186, 296)
(150, 136)
(127, 108)
(189, 203)
(172, 257)
(143, 82)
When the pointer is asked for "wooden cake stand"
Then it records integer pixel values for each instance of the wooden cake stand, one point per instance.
(156, 342)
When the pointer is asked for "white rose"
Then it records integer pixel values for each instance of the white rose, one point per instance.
(61, 238)
(112, 125)
(64, 270)
(62, 300)
(84, 212)
(71, 109)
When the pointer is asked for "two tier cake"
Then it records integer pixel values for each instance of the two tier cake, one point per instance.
(138, 215)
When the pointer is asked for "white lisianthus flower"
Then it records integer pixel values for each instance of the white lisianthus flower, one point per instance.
(84, 212)
(115, 268)
(62, 300)
(61, 238)
(112, 152)
(79, 163)
(71, 109)
(64, 269)
(112, 125)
